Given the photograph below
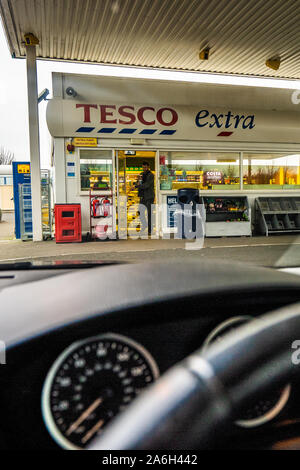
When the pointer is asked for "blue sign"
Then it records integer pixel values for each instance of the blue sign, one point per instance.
(171, 201)
(21, 175)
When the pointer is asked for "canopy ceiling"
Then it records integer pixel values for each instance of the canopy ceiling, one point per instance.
(169, 34)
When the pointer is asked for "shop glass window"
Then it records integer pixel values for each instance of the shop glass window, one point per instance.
(96, 170)
(271, 171)
(6, 180)
(201, 170)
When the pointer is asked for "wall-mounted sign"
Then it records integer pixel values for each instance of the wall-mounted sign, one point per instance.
(21, 176)
(138, 122)
(213, 177)
(85, 142)
(171, 207)
(24, 168)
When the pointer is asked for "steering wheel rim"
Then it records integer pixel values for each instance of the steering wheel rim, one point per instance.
(189, 406)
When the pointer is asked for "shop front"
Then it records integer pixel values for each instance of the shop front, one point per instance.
(232, 155)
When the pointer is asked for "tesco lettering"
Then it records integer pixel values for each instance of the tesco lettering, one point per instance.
(126, 115)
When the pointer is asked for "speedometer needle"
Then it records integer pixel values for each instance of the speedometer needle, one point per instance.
(84, 415)
(92, 431)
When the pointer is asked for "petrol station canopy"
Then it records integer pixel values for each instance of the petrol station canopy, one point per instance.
(240, 35)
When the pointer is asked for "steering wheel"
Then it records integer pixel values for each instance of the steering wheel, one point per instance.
(194, 401)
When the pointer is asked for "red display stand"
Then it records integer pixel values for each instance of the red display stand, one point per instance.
(101, 215)
(67, 223)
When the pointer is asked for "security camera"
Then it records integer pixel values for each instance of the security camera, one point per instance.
(71, 92)
(43, 95)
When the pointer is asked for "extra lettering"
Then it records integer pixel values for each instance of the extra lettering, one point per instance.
(204, 118)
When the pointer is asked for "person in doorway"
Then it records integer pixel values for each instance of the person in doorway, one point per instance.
(100, 184)
(145, 187)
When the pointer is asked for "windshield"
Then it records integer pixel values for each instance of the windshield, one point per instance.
(149, 227)
(132, 168)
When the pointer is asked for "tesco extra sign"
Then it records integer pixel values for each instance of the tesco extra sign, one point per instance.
(126, 115)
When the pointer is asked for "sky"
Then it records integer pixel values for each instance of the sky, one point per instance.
(13, 94)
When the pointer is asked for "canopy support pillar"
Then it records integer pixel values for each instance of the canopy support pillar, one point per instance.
(34, 142)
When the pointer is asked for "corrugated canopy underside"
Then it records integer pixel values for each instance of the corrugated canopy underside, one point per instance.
(166, 34)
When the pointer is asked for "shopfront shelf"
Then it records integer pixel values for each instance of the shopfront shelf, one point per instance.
(286, 231)
(281, 212)
(227, 216)
(228, 229)
(227, 212)
(277, 214)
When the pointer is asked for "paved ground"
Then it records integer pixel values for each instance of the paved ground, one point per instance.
(265, 251)
(7, 226)
(281, 250)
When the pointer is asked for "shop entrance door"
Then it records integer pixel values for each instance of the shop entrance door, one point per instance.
(129, 169)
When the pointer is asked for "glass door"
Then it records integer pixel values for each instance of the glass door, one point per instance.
(121, 193)
(129, 168)
(97, 183)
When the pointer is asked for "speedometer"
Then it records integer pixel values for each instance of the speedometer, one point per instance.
(90, 383)
(267, 407)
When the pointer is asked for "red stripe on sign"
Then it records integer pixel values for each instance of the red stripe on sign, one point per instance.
(224, 134)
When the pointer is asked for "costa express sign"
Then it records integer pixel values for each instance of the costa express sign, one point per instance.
(213, 177)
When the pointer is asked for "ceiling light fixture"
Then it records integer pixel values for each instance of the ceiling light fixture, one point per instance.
(273, 63)
(204, 54)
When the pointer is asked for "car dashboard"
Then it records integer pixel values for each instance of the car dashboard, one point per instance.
(60, 388)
